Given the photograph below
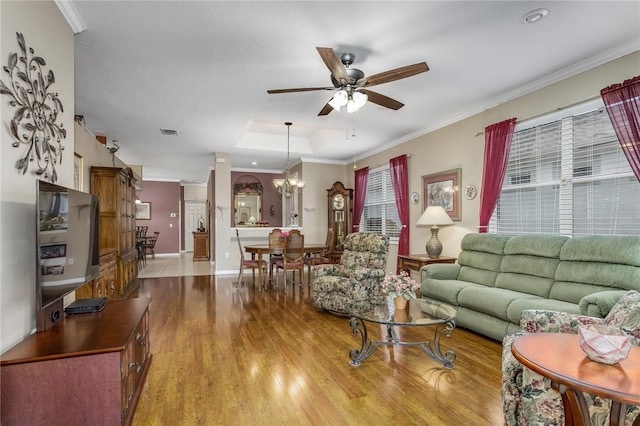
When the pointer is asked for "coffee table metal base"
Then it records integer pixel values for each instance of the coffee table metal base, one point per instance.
(432, 349)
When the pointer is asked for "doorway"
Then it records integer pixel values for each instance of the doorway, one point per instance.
(194, 212)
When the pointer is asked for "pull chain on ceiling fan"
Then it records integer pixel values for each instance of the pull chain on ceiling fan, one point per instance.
(350, 83)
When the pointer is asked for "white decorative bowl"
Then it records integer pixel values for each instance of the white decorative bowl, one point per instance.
(605, 344)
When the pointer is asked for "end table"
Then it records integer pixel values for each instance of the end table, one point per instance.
(408, 262)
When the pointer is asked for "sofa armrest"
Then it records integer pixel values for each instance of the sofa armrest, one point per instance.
(541, 321)
(599, 304)
(511, 386)
(440, 271)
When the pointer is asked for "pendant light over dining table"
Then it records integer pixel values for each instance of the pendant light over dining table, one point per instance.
(287, 185)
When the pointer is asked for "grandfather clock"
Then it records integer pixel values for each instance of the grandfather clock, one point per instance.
(340, 204)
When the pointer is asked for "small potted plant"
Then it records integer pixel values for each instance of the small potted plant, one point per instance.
(400, 287)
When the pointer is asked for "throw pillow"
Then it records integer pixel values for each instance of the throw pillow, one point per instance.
(626, 315)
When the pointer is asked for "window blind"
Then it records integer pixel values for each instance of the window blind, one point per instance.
(380, 213)
(568, 177)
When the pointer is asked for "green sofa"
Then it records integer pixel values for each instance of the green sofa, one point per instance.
(496, 277)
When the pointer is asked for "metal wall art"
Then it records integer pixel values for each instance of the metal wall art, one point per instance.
(34, 125)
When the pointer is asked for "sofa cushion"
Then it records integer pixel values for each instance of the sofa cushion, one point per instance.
(601, 274)
(530, 262)
(536, 245)
(491, 301)
(445, 290)
(626, 315)
(530, 284)
(619, 250)
(573, 292)
(514, 311)
(481, 257)
(488, 243)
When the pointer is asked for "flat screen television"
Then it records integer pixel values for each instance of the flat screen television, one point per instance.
(67, 246)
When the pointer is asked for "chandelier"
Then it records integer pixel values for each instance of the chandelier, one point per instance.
(288, 184)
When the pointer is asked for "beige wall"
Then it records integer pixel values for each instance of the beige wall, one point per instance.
(318, 177)
(458, 146)
(93, 153)
(46, 31)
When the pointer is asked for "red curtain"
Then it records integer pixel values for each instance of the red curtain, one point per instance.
(362, 175)
(497, 144)
(400, 180)
(623, 105)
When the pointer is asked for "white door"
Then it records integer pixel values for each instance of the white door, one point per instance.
(195, 211)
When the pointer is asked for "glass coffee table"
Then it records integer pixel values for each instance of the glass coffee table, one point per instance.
(419, 313)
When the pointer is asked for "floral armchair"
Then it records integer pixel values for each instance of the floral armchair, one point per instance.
(527, 397)
(357, 278)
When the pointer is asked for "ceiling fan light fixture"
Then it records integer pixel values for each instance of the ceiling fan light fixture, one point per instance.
(340, 99)
(351, 106)
(360, 99)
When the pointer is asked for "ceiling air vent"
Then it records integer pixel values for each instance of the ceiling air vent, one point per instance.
(169, 132)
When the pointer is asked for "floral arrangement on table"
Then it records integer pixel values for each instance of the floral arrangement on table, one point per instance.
(284, 235)
(401, 285)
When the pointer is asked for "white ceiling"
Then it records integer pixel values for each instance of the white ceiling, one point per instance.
(203, 68)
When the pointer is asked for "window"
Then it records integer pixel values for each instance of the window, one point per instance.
(380, 213)
(568, 176)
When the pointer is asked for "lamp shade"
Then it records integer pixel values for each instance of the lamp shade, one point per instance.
(435, 215)
(339, 100)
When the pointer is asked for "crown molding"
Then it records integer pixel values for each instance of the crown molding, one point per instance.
(71, 15)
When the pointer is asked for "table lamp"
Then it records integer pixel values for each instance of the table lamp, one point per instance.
(434, 216)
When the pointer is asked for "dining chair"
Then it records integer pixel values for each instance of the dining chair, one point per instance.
(147, 246)
(292, 257)
(252, 263)
(150, 244)
(141, 233)
(320, 258)
(275, 240)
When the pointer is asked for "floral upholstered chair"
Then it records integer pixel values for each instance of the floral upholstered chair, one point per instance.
(527, 397)
(357, 278)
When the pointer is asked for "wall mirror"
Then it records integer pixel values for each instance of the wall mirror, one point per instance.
(247, 201)
(248, 209)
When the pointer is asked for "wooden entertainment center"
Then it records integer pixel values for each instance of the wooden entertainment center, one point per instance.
(87, 369)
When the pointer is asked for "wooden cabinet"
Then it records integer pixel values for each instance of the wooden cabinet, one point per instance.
(200, 246)
(340, 215)
(105, 284)
(84, 370)
(115, 187)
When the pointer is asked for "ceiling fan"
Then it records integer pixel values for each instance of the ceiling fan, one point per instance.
(352, 85)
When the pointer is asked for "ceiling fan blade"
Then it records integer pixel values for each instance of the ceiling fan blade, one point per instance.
(301, 89)
(325, 110)
(331, 60)
(392, 75)
(382, 100)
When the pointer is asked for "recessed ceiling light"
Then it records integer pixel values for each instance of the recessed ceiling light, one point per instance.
(254, 163)
(533, 16)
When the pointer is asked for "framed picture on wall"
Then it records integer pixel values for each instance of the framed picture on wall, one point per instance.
(443, 189)
(143, 210)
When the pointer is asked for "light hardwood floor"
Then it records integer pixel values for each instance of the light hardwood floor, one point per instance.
(237, 355)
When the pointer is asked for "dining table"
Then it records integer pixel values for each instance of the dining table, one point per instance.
(262, 249)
